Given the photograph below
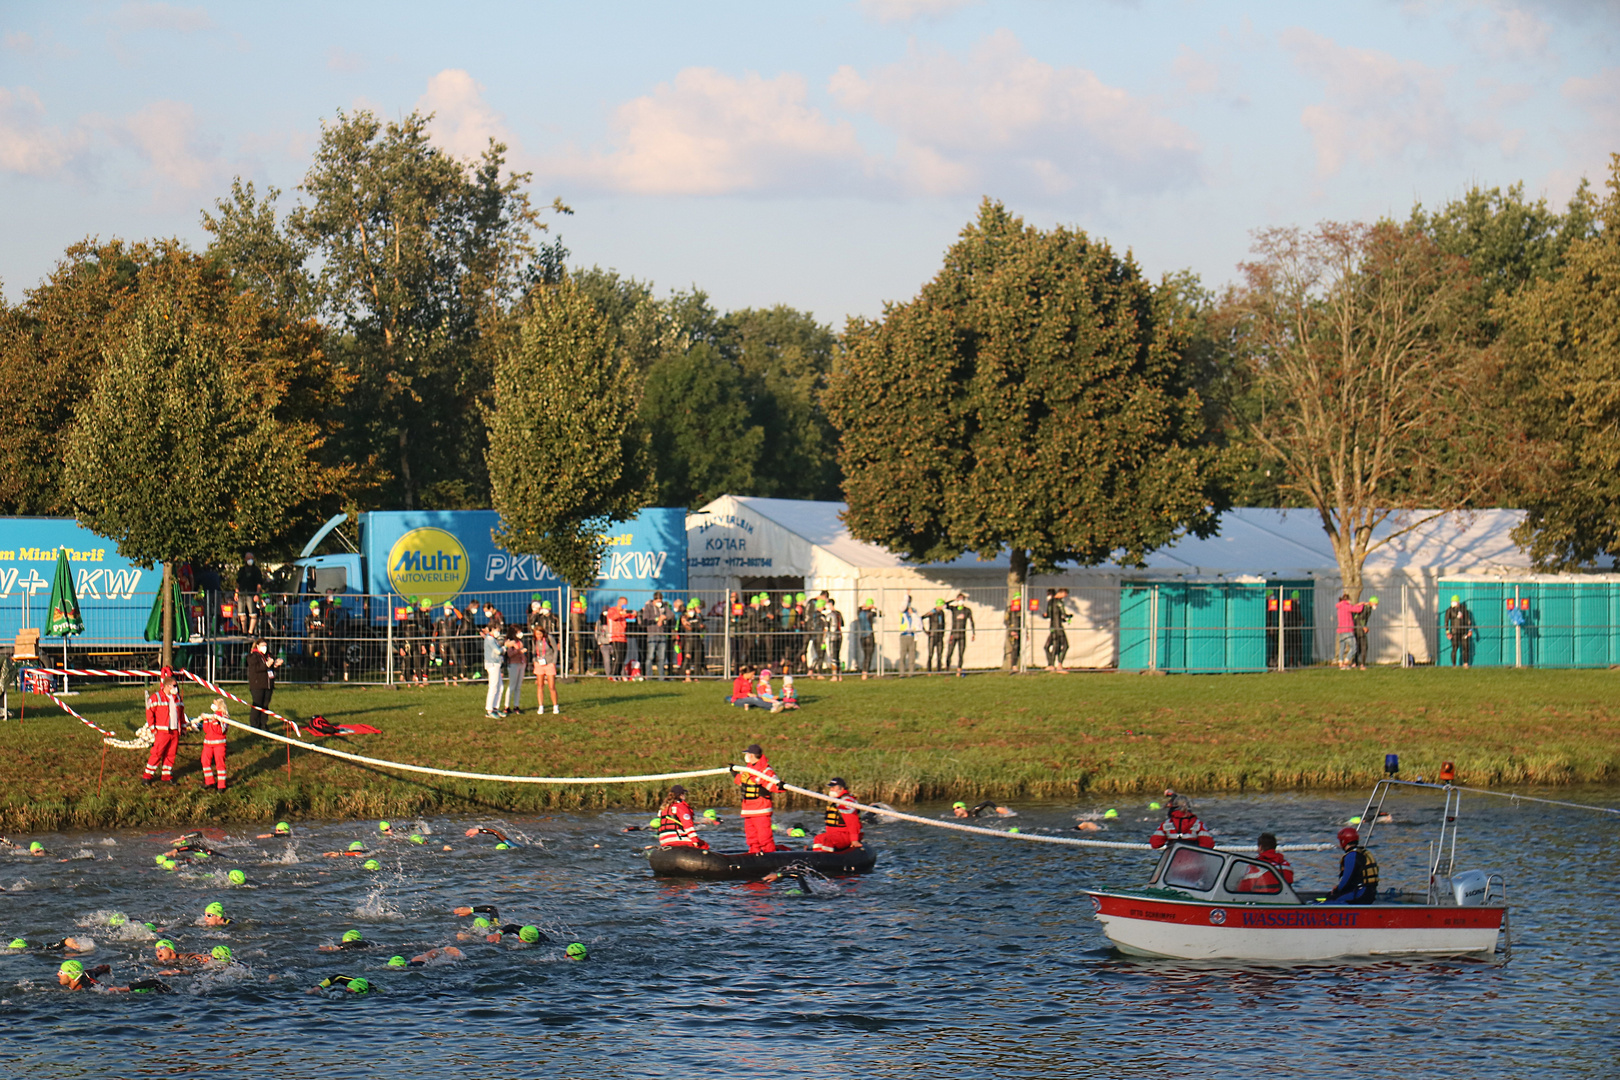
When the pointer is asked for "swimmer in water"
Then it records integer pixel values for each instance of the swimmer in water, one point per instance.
(214, 915)
(527, 935)
(75, 976)
(36, 848)
(1088, 826)
(71, 944)
(797, 884)
(352, 984)
(356, 850)
(501, 840)
(190, 963)
(282, 829)
(190, 844)
(448, 952)
(352, 939)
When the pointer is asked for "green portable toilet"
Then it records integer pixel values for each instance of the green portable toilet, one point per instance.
(1563, 620)
(1215, 626)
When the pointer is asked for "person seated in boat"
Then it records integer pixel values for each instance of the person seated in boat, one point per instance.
(1181, 826)
(1358, 872)
(502, 842)
(843, 821)
(1257, 879)
(676, 826)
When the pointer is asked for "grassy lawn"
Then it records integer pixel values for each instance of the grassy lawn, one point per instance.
(898, 741)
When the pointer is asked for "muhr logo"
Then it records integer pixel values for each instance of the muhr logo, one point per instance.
(429, 564)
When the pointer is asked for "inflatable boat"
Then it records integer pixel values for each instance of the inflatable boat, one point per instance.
(720, 865)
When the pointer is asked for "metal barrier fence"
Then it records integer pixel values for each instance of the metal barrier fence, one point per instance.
(878, 632)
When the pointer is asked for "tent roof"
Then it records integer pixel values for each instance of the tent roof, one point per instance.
(1250, 540)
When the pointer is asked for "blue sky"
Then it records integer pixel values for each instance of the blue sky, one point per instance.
(820, 155)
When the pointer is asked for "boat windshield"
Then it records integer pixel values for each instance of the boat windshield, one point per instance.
(1193, 868)
(1252, 877)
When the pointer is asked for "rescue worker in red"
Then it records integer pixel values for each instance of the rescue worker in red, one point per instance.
(1182, 826)
(165, 713)
(1265, 881)
(843, 821)
(756, 800)
(213, 754)
(676, 826)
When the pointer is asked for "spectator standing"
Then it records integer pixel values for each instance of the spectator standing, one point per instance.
(495, 668)
(961, 627)
(786, 634)
(261, 674)
(934, 624)
(1057, 638)
(545, 668)
(517, 661)
(813, 625)
(1344, 642)
(618, 639)
(1459, 629)
(693, 626)
(908, 640)
(655, 619)
(834, 637)
(604, 643)
(1361, 620)
(580, 635)
(866, 629)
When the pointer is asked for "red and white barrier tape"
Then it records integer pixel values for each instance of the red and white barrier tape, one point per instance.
(141, 673)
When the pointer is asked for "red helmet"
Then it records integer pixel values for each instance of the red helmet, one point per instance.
(1348, 837)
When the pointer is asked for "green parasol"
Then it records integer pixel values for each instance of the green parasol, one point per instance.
(154, 621)
(65, 617)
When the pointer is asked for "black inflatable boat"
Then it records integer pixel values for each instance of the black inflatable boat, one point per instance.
(696, 863)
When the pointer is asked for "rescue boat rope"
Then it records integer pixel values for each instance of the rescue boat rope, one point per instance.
(1034, 838)
(1532, 798)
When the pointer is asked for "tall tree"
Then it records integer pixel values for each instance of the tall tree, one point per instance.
(1026, 400)
(1372, 385)
(567, 453)
(785, 357)
(1563, 338)
(704, 443)
(177, 453)
(420, 258)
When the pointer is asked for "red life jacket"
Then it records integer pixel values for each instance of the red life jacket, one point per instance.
(676, 827)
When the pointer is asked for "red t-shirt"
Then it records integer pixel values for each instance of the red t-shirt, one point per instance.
(616, 617)
(742, 686)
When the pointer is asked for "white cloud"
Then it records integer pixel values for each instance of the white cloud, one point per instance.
(707, 133)
(177, 153)
(1509, 32)
(463, 123)
(1377, 107)
(30, 147)
(1000, 120)
(161, 16)
(893, 11)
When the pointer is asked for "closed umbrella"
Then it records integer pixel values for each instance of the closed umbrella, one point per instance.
(65, 618)
(154, 621)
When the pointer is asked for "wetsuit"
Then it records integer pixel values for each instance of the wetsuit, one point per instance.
(1459, 628)
(514, 929)
(934, 623)
(677, 828)
(499, 836)
(756, 806)
(1057, 639)
(336, 982)
(961, 623)
(1014, 619)
(843, 823)
(1181, 827)
(1358, 879)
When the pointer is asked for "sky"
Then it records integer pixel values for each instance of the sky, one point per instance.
(821, 155)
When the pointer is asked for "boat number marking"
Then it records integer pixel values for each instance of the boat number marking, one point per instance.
(1217, 916)
(1143, 913)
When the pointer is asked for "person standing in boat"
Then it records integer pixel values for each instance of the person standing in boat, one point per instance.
(756, 800)
(843, 821)
(676, 825)
(1358, 872)
(1181, 826)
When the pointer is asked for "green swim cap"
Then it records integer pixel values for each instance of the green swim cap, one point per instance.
(1355, 820)
(73, 967)
(170, 864)
(1456, 599)
(796, 831)
(36, 846)
(351, 935)
(958, 806)
(359, 986)
(117, 918)
(503, 846)
(530, 934)
(416, 838)
(1110, 813)
(17, 943)
(396, 961)
(576, 951)
(712, 815)
(152, 926)
(165, 943)
(1013, 829)
(159, 860)
(371, 864)
(1154, 806)
(652, 823)
(200, 854)
(216, 908)
(283, 827)
(382, 826)
(482, 922)
(221, 952)
(357, 846)
(236, 877)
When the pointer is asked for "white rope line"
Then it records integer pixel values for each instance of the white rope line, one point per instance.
(472, 775)
(1034, 838)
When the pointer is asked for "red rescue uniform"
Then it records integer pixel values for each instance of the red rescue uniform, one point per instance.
(1182, 827)
(165, 712)
(677, 828)
(843, 823)
(1280, 861)
(756, 806)
(213, 754)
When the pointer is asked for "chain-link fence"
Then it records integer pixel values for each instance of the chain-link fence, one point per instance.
(874, 631)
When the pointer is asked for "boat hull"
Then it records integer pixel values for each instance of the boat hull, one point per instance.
(1198, 930)
(719, 865)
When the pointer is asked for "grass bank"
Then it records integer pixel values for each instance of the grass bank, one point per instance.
(985, 736)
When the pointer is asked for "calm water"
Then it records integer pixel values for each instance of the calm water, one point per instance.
(956, 958)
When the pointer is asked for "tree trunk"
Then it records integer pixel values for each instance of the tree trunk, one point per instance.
(1017, 572)
(409, 489)
(166, 655)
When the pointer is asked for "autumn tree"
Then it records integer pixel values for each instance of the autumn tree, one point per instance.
(1025, 401)
(179, 453)
(1372, 388)
(567, 453)
(1563, 339)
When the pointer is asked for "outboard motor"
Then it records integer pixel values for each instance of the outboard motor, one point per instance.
(1469, 887)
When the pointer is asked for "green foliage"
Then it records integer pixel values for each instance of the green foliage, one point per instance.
(1026, 399)
(703, 444)
(567, 453)
(785, 357)
(1563, 336)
